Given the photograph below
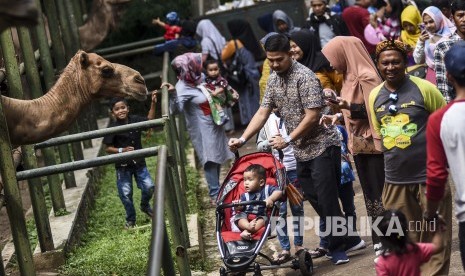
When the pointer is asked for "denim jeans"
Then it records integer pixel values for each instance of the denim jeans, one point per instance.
(346, 195)
(212, 175)
(124, 183)
(297, 213)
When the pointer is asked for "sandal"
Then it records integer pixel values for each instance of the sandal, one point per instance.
(282, 258)
(318, 252)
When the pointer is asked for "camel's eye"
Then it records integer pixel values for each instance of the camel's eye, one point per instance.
(107, 72)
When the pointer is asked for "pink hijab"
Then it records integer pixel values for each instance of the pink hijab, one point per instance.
(188, 68)
(348, 55)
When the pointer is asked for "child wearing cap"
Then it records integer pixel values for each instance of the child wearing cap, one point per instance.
(125, 170)
(172, 26)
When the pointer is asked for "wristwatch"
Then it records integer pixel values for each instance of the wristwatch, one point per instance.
(287, 139)
(120, 150)
(242, 139)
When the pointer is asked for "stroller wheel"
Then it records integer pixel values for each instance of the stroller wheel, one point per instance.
(305, 263)
(223, 271)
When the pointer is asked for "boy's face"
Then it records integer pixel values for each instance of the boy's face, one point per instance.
(252, 183)
(282, 26)
(318, 7)
(213, 70)
(120, 110)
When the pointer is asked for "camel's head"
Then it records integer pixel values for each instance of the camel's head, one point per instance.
(17, 13)
(108, 79)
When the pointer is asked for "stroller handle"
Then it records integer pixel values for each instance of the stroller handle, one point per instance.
(250, 202)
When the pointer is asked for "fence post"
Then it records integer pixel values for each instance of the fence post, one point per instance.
(13, 198)
(49, 80)
(175, 219)
(33, 81)
(35, 186)
(176, 183)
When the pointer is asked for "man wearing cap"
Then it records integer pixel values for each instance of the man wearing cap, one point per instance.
(458, 14)
(445, 136)
(399, 108)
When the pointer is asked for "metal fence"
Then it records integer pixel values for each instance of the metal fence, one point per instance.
(171, 176)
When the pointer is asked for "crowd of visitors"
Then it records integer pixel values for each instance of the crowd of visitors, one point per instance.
(346, 66)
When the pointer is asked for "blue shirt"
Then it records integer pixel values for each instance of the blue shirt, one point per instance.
(263, 194)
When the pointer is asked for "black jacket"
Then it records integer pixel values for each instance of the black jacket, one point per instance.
(335, 22)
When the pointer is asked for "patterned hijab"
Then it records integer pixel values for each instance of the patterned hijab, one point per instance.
(411, 15)
(188, 68)
(444, 29)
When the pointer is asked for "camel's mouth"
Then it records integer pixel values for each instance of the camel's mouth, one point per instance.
(139, 95)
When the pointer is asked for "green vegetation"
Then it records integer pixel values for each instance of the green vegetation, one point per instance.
(107, 248)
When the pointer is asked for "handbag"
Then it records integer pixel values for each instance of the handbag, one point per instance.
(418, 70)
(361, 145)
(235, 70)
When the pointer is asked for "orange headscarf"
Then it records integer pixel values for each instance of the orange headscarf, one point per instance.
(348, 56)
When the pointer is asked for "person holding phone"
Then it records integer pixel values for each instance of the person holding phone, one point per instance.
(412, 26)
(437, 29)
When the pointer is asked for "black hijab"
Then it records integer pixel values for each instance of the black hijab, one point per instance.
(310, 46)
(240, 29)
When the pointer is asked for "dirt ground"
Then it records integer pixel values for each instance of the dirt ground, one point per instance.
(361, 261)
(5, 231)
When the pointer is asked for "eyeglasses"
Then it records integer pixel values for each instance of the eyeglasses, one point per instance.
(393, 109)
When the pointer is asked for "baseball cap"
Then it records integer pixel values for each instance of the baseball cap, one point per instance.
(455, 60)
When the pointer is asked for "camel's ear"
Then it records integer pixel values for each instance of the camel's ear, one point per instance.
(84, 59)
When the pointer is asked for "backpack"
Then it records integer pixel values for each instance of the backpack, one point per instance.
(236, 71)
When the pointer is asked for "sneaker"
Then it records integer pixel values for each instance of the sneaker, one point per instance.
(130, 224)
(358, 246)
(339, 257)
(147, 210)
(378, 249)
(329, 256)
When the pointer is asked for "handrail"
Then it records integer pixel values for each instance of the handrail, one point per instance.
(84, 164)
(155, 260)
(164, 95)
(122, 47)
(99, 133)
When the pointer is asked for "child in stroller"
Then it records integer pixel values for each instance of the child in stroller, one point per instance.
(252, 218)
(238, 254)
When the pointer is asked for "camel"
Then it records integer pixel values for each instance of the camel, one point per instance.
(88, 76)
(103, 18)
(17, 13)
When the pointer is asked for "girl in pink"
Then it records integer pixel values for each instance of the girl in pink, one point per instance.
(400, 256)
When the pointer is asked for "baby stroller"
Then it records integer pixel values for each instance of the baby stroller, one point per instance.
(239, 256)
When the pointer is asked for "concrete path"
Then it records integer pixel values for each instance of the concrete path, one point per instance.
(361, 262)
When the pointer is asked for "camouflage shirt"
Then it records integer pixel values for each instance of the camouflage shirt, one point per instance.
(293, 92)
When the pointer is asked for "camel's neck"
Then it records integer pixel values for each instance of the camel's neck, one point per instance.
(52, 113)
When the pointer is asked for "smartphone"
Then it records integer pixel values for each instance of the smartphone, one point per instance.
(330, 96)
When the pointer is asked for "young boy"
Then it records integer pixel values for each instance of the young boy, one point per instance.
(252, 217)
(172, 28)
(275, 126)
(222, 94)
(125, 170)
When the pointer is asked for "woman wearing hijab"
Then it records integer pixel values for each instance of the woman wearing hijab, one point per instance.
(245, 46)
(437, 29)
(212, 41)
(306, 50)
(410, 19)
(209, 140)
(283, 24)
(349, 56)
